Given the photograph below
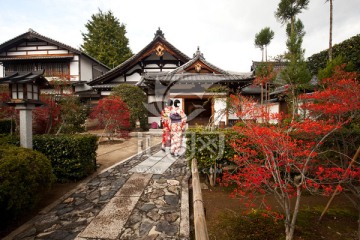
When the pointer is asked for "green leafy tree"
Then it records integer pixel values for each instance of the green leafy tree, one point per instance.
(136, 100)
(106, 40)
(349, 50)
(73, 115)
(263, 39)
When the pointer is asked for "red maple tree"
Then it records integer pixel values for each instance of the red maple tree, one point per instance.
(47, 117)
(113, 116)
(283, 159)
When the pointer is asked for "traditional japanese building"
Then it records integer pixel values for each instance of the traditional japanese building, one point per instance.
(32, 51)
(163, 72)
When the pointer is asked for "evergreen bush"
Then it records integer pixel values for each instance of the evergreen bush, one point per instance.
(135, 99)
(210, 147)
(25, 175)
(349, 50)
(73, 157)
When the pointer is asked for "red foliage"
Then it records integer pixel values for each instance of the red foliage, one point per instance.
(339, 96)
(282, 158)
(47, 117)
(113, 115)
(5, 110)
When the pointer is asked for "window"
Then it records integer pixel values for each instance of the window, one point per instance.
(60, 69)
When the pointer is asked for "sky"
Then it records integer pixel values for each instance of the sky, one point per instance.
(223, 30)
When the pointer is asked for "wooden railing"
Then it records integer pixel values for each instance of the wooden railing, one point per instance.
(198, 205)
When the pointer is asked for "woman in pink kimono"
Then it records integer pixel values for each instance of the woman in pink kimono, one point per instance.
(165, 122)
(177, 126)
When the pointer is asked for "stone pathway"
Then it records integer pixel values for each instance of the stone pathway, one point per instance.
(144, 197)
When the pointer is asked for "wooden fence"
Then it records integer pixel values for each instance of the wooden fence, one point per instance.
(198, 205)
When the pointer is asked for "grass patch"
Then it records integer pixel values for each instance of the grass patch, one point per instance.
(236, 226)
(338, 223)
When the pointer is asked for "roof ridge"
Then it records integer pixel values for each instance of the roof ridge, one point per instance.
(159, 37)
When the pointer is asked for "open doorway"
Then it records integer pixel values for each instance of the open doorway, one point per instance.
(198, 111)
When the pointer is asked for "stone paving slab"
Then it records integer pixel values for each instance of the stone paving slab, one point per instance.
(110, 221)
(159, 211)
(161, 166)
(134, 186)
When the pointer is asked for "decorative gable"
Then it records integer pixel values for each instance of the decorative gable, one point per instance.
(158, 56)
(200, 67)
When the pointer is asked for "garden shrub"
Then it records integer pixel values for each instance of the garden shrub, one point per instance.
(73, 157)
(348, 49)
(7, 126)
(134, 98)
(7, 139)
(209, 147)
(25, 175)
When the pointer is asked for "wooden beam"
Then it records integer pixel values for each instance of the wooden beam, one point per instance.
(198, 205)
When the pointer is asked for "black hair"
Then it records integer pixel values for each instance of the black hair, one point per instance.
(176, 102)
(170, 102)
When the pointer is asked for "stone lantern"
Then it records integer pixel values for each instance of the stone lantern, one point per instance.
(24, 90)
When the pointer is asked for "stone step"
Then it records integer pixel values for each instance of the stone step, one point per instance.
(109, 223)
(155, 164)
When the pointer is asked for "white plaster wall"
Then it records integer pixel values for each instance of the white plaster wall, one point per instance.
(152, 70)
(85, 68)
(105, 93)
(219, 110)
(151, 65)
(274, 108)
(135, 77)
(170, 66)
(74, 71)
(2, 72)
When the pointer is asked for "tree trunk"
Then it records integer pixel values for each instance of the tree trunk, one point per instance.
(330, 33)
(265, 53)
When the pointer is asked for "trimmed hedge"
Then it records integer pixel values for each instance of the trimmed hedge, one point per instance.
(73, 157)
(209, 147)
(7, 126)
(24, 177)
(349, 50)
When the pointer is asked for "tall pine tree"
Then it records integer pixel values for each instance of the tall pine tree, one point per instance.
(106, 40)
(296, 75)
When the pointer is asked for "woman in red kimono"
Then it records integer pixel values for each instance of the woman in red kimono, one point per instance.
(177, 127)
(165, 121)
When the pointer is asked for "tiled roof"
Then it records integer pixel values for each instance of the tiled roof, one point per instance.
(194, 78)
(35, 57)
(31, 34)
(179, 74)
(117, 71)
(110, 85)
(24, 77)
